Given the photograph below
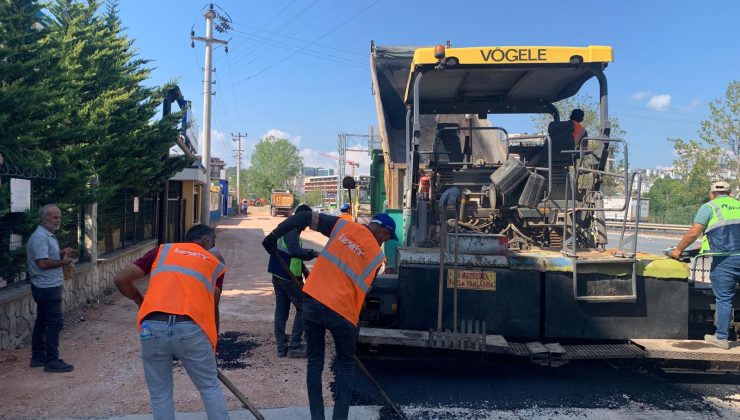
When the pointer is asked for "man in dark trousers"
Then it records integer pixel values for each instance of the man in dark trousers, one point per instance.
(290, 248)
(334, 293)
(719, 222)
(45, 267)
(178, 317)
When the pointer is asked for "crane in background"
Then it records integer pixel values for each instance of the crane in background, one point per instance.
(352, 163)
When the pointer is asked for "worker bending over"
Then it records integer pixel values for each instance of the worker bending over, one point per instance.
(335, 291)
(179, 317)
(719, 221)
(290, 248)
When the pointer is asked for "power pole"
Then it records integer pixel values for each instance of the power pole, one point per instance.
(210, 14)
(238, 155)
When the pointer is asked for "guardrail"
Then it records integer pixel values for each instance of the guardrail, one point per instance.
(654, 227)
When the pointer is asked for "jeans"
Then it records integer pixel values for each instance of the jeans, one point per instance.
(287, 292)
(317, 318)
(724, 275)
(49, 322)
(188, 342)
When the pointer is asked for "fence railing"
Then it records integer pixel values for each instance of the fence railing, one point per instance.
(123, 221)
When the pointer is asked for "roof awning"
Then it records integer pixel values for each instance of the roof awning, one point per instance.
(502, 79)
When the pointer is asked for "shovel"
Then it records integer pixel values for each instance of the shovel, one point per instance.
(245, 402)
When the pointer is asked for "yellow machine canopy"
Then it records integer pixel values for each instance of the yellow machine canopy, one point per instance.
(501, 79)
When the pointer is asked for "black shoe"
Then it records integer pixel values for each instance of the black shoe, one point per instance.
(58, 366)
(282, 353)
(298, 352)
(37, 362)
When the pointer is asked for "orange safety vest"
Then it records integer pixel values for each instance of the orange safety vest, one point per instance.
(182, 282)
(346, 216)
(578, 132)
(345, 269)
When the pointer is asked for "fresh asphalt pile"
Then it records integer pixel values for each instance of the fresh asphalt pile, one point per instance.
(233, 348)
(438, 389)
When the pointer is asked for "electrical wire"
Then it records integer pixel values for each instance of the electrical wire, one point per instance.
(315, 40)
(280, 28)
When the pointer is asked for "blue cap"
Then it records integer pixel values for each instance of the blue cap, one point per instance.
(345, 207)
(387, 222)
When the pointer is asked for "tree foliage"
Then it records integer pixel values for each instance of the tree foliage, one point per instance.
(275, 164)
(722, 130)
(75, 116)
(715, 155)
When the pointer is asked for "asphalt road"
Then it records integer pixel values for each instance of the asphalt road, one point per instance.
(650, 243)
(473, 389)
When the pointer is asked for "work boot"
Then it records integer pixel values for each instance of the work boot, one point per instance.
(37, 362)
(297, 352)
(281, 353)
(716, 342)
(58, 366)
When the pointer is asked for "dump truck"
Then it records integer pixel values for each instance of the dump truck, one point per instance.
(281, 203)
(504, 250)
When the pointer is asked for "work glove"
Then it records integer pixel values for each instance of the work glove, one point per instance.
(270, 243)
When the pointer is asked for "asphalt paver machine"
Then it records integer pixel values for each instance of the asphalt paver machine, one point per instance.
(503, 243)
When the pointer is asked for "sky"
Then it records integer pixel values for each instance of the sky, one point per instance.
(299, 69)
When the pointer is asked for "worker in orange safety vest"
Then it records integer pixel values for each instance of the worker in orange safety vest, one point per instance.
(178, 317)
(579, 132)
(345, 213)
(334, 293)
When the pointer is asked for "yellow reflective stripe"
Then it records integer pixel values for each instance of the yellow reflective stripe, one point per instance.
(337, 227)
(186, 271)
(721, 223)
(169, 268)
(717, 210)
(359, 281)
(373, 265)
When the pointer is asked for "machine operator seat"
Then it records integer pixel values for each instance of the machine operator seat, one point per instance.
(447, 147)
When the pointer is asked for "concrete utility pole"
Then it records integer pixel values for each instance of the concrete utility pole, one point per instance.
(206, 152)
(238, 155)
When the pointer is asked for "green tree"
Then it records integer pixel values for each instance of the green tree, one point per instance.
(112, 138)
(29, 100)
(314, 198)
(590, 109)
(722, 130)
(671, 202)
(715, 155)
(275, 164)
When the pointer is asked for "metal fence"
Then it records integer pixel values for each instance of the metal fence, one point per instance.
(16, 227)
(125, 220)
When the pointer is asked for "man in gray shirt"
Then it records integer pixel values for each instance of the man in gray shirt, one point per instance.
(45, 266)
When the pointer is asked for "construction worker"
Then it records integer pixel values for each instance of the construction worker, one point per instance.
(579, 132)
(334, 293)
(344, 212)
(719, 221)
(290, 249)
(178, 317)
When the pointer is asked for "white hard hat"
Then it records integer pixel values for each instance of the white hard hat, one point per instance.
(721, 186)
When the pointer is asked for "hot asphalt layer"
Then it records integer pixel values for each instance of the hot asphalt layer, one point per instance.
(512, 385)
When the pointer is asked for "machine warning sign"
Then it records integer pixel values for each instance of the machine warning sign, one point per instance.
(472, 279)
